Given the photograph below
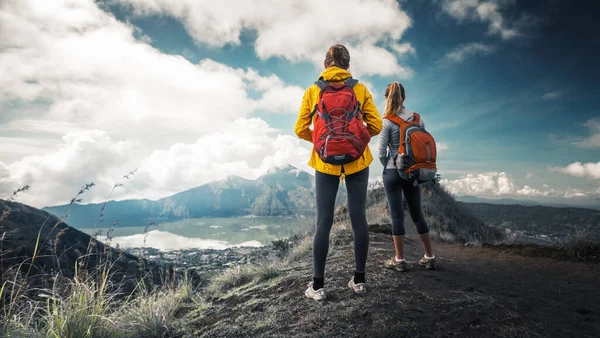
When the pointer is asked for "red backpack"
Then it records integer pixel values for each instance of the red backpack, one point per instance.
(340, 135)
(417, 152)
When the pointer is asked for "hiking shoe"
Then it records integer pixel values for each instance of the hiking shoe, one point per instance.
(395, 265)
(357, 288)
(428, 263)
(316, 295)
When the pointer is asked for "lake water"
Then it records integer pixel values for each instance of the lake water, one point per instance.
(207, 233)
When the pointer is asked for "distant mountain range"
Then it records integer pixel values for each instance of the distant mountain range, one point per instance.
(510, 201)
(280, 192)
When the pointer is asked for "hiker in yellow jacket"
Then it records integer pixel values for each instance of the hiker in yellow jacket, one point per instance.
(328, 176)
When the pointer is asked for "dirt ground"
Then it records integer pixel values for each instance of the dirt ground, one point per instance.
(474, 292)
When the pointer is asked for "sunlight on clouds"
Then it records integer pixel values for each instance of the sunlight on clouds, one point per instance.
(249, 148)
(115, 98)
(96, 75)
(297, 31)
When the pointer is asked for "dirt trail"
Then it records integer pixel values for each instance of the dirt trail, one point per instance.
(475, 292)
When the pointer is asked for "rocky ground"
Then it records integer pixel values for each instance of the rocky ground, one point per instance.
(475, 292)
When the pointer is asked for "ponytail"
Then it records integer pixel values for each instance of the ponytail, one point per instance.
(394, 98)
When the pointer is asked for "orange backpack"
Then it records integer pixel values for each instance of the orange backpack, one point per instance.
(417, 152)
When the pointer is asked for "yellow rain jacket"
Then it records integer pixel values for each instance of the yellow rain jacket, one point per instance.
(371, 117)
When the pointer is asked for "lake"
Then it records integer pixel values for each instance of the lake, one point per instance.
(207, 233)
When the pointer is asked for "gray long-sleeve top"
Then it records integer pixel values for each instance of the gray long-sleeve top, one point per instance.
(389, 139)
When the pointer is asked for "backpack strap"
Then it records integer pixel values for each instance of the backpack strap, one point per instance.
(351, 82)
(321, 83)
(312, 113)
(417, 118)
(396, 119)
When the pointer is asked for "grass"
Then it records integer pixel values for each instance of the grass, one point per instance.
(580, 245)
(84, 312)
(301, 250)
(154, 314)
(86, 309)
(242, 275)
(86, 304)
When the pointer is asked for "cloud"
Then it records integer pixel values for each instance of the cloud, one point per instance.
(248, 148)
(578, 169)
(460, 53)
(403, 48)
(276, 96)
(297, 31)
(592, 141)
(441, 146)
(552, 95)
(496, 184)
(488, 12)
(55, 177)
(478, 184)
(90, 72)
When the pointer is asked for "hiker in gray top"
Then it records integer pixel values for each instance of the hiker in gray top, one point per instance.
(396, 182)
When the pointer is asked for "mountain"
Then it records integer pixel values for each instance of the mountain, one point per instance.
(511, 201)
(59, 251)
(557, 223)
(280, 192)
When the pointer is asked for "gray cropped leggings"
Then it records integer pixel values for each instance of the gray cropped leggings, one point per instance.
(394, 187)
(326, 191)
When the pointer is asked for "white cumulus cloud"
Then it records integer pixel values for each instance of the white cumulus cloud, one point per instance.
(248, 149)
(94, 74)
(97, 102)
(578, 169)
(496, 184)
(297, 31)
(480, 184)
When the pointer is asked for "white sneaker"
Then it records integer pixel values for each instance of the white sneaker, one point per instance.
(358, 288)
(316, 295)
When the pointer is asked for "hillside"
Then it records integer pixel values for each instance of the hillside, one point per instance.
(449, 221)
(553, 222)
(475, 292)
(281, 192)
(59, 251)
(483, 291)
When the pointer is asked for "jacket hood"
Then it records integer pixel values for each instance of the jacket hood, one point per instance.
(335, 73)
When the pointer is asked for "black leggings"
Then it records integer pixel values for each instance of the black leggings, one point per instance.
(394, 186)
(326, 191)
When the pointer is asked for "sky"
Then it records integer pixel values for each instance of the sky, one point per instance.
(188, 92)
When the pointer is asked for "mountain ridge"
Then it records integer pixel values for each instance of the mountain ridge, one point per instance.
(281, 192)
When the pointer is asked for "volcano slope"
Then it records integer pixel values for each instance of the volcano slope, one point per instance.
(476, 291)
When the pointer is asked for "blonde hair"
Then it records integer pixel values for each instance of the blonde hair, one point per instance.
(394, 98)
(338, 56)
